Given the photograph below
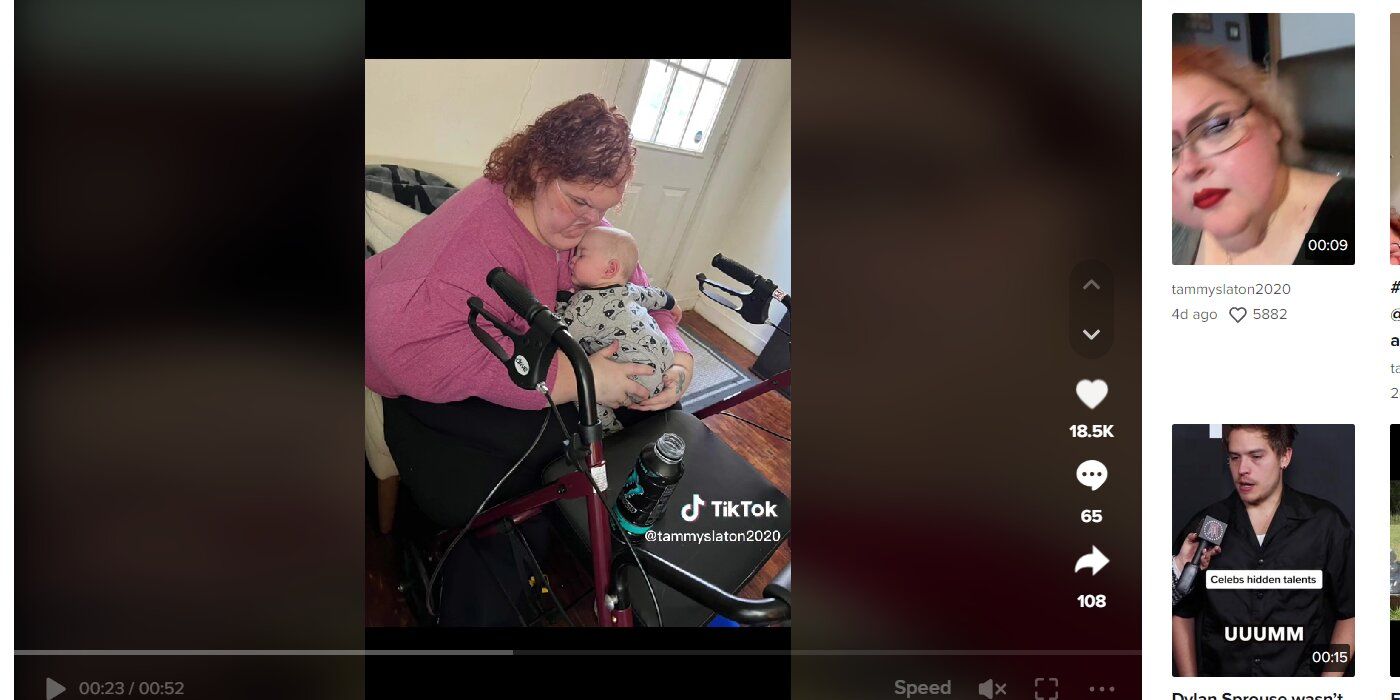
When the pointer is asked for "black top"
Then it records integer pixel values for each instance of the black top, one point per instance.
(1332, 228)
(1306, 533)
(1331, 240)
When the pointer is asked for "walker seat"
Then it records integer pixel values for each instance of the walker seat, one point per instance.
(726, 548)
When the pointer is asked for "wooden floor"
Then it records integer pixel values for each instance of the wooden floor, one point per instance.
(771, 456)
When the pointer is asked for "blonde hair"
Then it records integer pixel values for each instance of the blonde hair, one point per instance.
(1270, 97)
(621, 245)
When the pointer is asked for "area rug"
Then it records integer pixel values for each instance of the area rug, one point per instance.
(716, 378)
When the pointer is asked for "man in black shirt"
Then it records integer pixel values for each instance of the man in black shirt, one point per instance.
(1267, 631)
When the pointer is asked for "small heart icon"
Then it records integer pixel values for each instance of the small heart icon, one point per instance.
(1091, 392)
(1237, 313)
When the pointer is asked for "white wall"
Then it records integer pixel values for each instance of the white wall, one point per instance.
(747, 209)
(1301, 33)
(1217, 36)
(456, 111)
(760, 233)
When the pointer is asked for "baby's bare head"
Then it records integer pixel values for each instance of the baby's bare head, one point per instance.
(604, 256)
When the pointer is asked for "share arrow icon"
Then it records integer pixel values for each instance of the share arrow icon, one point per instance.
(1093, 561)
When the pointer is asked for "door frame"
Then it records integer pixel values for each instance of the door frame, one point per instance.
(630, 81)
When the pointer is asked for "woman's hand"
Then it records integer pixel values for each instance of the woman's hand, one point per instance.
(613, 384)
(677, 381)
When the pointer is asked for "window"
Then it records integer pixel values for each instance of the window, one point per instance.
(680, 100)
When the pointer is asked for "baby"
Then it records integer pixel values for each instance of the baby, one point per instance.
(607, 308)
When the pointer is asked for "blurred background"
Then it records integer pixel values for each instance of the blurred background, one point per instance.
(952, 165)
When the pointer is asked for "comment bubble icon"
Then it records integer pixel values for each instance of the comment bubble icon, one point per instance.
(1092, 473)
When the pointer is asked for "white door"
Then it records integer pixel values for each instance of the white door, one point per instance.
(680, 111)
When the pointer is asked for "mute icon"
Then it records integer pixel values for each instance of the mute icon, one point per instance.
(990, 688)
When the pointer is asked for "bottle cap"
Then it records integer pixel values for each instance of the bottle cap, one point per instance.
(670, 447)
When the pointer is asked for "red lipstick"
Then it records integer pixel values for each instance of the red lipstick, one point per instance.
(1208, 198)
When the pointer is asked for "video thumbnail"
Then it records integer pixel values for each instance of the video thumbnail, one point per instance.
(1394, 546)
(1263, 139)
(1263, 556)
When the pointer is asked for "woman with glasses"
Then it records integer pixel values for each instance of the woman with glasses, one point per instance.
(543, 188)
(1238, 197)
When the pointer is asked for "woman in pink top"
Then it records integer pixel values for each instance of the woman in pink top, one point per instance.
(543, 188)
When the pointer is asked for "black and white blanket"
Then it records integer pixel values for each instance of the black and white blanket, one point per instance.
(419, 189)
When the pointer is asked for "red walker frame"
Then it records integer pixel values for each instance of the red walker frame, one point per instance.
(578, 484)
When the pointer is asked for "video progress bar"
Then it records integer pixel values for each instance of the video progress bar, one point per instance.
(576, 652)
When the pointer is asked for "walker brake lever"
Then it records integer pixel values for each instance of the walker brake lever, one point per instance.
(529, 365)
(753, 306)
(717, 299)
(478, 307)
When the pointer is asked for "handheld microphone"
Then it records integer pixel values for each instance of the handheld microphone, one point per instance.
(1209, 535)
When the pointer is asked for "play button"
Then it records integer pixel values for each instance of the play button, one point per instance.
(52, 689)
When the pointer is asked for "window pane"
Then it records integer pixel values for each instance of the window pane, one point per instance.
(696, 64)
(678, 110)
(722, 69)
(649, 104)
(702, 121)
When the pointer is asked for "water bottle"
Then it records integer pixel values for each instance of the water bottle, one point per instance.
(643, 497)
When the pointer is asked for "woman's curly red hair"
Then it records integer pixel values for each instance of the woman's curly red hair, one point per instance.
(583, 140)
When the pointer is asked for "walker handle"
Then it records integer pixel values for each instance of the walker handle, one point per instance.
(516, 296)
(753, 305)
(741, 274)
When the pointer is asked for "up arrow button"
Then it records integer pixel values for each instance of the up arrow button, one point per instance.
(1090, 298)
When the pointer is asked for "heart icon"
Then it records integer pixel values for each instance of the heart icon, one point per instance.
(1237, 313)
(1091, 392)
